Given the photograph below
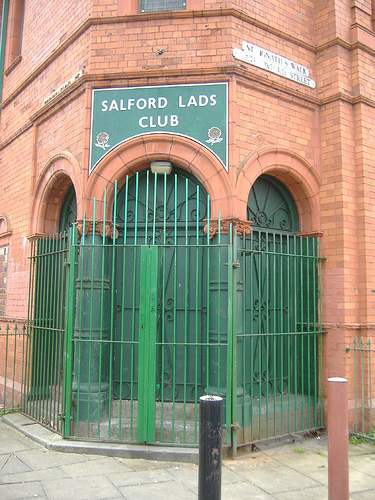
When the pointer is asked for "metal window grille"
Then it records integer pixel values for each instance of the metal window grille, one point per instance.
(159, 5)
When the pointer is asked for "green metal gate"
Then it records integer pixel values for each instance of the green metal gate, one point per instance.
(160, 310)
(281, 339)
(148, 331)
(43, 356)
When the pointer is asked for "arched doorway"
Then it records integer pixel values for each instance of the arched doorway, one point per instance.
(46, 317)
(281, 320)
(68, 214)
(160, 298)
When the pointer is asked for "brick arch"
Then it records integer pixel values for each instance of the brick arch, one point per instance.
(52, 185)
(294, 172)
(137, 153)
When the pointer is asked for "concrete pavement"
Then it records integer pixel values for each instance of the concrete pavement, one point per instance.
(42, 465)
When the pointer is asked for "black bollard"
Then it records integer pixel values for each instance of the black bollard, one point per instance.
(209, 484)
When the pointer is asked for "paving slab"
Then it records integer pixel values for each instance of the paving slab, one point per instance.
(278, 479)
(19, 491)
(32, 466)
(244, 491)
(315, 493)
(140, 477)
(81, 488)
(29, 476)
(13, 465)
(158, 491)
(106, 465)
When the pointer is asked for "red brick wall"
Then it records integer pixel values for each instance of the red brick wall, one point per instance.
(320, 142)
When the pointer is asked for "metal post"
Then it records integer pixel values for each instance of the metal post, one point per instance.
(210, 412)
(338, 439)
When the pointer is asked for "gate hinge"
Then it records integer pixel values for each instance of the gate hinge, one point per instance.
(61, 416)
(236, 426)
(236, 265)
(66, 263)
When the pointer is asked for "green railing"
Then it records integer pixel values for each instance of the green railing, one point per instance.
(135, 315)
(13, 348)
(149, 333)
(363, 358)
(280, 343)
(46, 328)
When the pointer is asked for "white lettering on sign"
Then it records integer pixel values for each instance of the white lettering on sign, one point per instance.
(141, 104)
(63, 86)
(151, 103)
(274, 63)
(202, 100)
(159, 121)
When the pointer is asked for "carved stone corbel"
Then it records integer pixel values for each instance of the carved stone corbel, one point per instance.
(97, 229)
(240, 227)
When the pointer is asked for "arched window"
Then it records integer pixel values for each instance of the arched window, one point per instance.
(271, 207)
(68, 213)
(14, 31)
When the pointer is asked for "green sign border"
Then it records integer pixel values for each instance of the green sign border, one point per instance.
(196, 111)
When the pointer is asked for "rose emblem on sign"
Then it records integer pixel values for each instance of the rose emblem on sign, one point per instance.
(214, 134)
(102, 140)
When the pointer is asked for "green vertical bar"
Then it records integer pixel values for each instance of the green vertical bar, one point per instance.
(14, 364)
(208, 317)
(251, 329)
(288, 340)
(232, 332)
(45, 330)
(151, 361)
(186, 291)
(315, 329)
(303, 320)
(197, 348)
(275, 272)
(69, 336)
(355, 386)
(121, 342)
(6, 362)
(112, 309)
(78, 338)
(91, 315)
(134, 296)
(260, 336)
(245, 363)
(281, 331)
(308, 302)
(147, 344)
(362, 384)
(27, 368)
(296, 337)
(163, 287)
(174, 367)
(147, 203)
(230, 401)
(267, 330)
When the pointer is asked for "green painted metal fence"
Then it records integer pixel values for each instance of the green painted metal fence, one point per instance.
(13, 348)
(43, 361)
(148, 334)
(363, 357)
(280, 342)
(143, 310)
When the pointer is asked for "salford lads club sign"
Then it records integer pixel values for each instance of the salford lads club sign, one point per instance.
(195, 111)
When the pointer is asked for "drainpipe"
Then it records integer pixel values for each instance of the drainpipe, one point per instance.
(4, 22)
